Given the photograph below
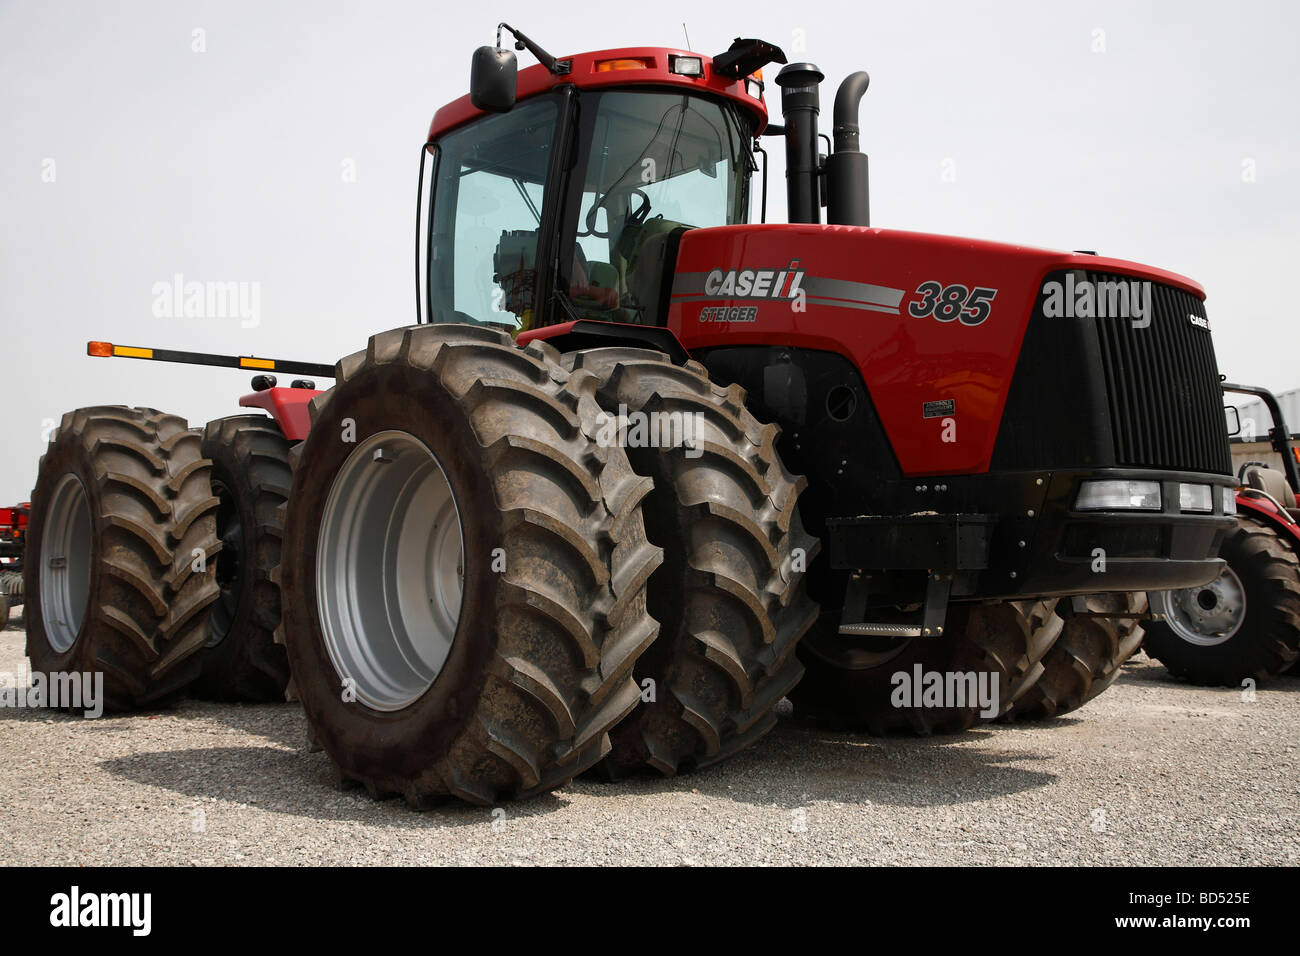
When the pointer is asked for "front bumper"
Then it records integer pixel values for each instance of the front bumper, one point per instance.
(1018, 535)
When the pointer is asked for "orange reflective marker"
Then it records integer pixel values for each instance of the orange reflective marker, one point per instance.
(624, 63)
(100, 349)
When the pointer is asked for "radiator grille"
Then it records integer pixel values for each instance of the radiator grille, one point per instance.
(1166, 404)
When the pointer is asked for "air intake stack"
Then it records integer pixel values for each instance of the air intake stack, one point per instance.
(800, 106)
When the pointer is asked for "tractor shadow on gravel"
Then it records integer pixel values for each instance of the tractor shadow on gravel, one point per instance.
(798, 764)
(282, 723)
(282, 775)
(1145, 672)
(793, 766)
(298, 783)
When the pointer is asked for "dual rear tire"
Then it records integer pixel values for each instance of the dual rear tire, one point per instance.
(251, 479)
(120, 563)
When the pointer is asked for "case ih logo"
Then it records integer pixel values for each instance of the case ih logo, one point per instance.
(791, 285)
(755, 283)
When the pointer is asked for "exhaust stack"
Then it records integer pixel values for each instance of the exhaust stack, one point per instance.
(800, 106)
(847, 175)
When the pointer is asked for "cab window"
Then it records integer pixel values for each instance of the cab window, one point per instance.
(487, 206)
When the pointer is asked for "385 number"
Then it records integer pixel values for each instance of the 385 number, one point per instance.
(946, 303)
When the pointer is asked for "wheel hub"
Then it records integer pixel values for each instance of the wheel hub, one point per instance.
(389, 570)
(65, 563)
(1210, 614)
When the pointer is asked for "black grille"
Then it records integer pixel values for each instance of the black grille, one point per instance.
(1166, 405)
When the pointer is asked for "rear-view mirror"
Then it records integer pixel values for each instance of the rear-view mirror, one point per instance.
(1233, 418)
(492, 79)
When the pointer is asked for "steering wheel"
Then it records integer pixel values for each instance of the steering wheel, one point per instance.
(636, 217)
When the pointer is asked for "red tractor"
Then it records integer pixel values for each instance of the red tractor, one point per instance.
(644, 467)
(13, 538)
(1245, 624)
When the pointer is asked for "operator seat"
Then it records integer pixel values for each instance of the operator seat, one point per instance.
(595, 289)
(641, 256)
(1273, 483)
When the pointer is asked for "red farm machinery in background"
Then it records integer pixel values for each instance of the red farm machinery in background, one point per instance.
(1244, 626)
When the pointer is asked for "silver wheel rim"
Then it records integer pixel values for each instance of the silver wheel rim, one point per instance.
(389, 570)
(65, 563)
(1210, 614)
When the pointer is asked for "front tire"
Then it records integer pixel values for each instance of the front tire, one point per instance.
(120, 569)
(1086, 658)
(464, 569)
(855, 683)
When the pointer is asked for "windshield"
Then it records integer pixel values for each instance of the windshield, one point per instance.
(645, 166)
(487, 206)
(656, 164)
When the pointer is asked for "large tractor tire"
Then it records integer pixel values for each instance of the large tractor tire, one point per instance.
(464, 569)
(1244, 624)
(729, 596)
(120, 570)
(4, 612)
(854, 683)
(1086, 658)
(251, 479)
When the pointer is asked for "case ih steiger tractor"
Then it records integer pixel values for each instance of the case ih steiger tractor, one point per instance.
(1245, 624)
(643, 464)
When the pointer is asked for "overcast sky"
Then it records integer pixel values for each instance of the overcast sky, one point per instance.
(284, 152)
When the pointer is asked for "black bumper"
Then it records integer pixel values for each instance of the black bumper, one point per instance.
(1018, 535)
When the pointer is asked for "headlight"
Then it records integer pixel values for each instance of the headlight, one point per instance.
(1198, 498)
(1120, 494)
(1229, 501)
(686, 65)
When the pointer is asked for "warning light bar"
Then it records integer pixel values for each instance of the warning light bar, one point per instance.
(109, 350)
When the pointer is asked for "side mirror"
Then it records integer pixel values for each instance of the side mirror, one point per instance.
(1233, 420)
(492, 79)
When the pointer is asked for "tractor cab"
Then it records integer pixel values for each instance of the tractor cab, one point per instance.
(568, 204)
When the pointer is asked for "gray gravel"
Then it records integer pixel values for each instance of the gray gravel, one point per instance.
(1183, 775)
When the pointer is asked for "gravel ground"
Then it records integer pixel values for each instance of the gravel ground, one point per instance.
(1153, 772)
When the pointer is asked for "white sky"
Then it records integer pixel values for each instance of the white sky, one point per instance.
(227, 165)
